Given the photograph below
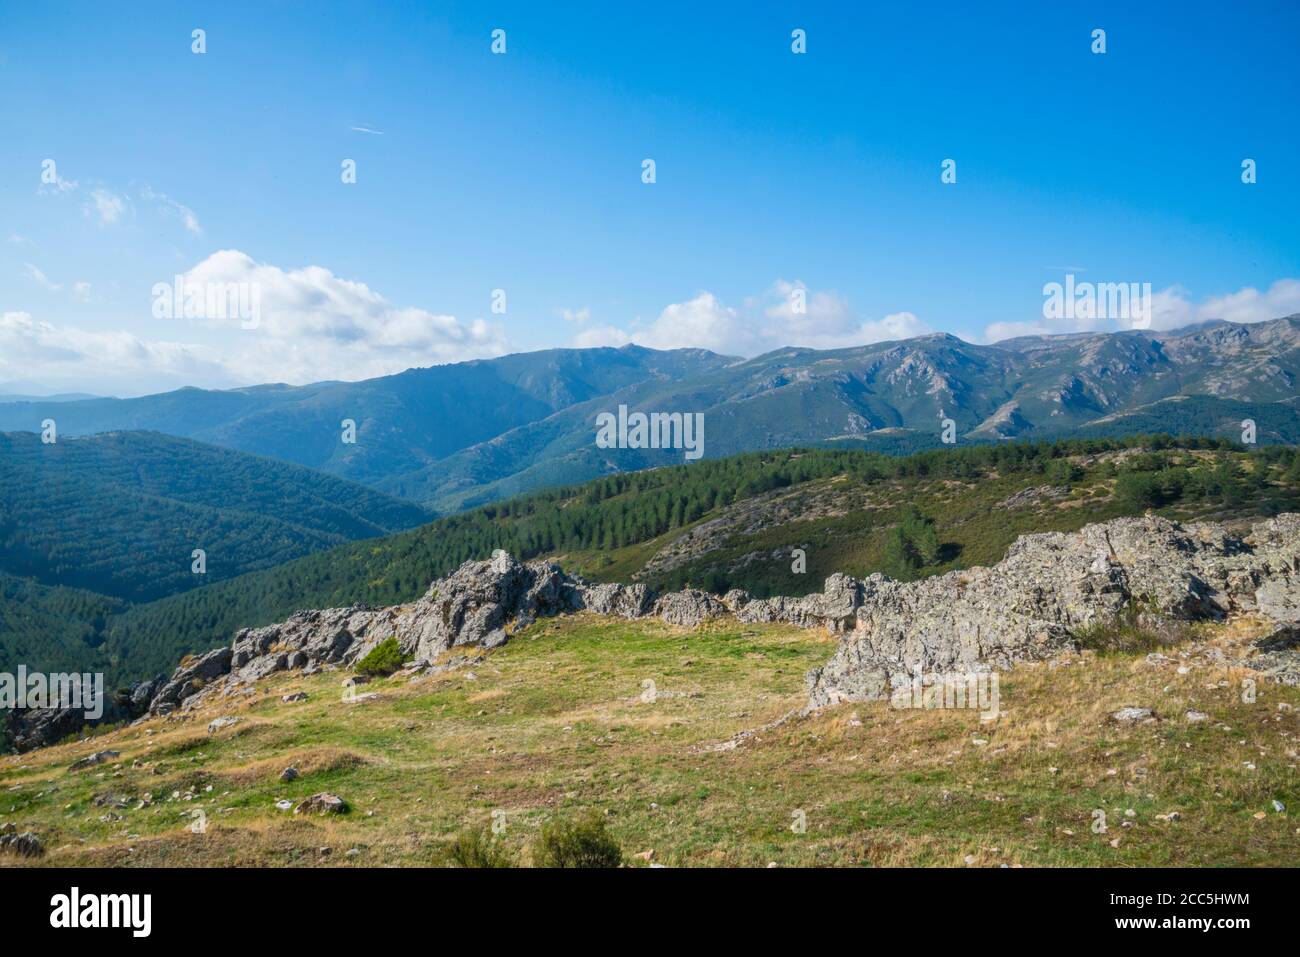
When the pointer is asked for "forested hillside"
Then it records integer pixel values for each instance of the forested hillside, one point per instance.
(122, 513)
(55, 629)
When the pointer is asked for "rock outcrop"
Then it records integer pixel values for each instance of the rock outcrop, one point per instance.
(689, 608)
(90, 760)
(25, 844)
(39, 727)
(322, 803)
(191, 678)
(481, 603)
(1051, 586)
(1031, 605)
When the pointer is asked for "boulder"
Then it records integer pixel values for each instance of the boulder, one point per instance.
(25, 844)
(838, 604)
(688, 608)
(141, 693)
(1277, 655)
(735, 600)
(623, 601)
(480, 599)
(1132, 715)
(189, 680)
(90, 760)
(1279, 599)
(322, 803)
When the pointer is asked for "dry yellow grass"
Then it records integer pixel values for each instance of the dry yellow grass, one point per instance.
(557, 722)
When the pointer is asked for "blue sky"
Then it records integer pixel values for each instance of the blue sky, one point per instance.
(522, 172)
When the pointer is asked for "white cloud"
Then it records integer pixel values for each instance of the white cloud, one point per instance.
(315, 325)
(1250, 305)
(896, 325)
(64, 357)
(580, 316)
(107, 206)
(1171, 308)
(601, 336)
(37, 276)
(827, 322)
(81, 291)
(788, 314)
(184, 212)
(593, 337)
(60, 185)
(701, 323)
(997, 331)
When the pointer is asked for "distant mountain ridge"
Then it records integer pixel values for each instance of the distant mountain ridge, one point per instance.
(894, 395)
(57, 397)
(460, 435)
(404, 421)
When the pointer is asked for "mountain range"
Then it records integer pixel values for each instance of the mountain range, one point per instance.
(404, 422)
(893, 396)
(451, 437)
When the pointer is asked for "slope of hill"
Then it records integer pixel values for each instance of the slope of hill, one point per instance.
(700, 771)
(404, 422)
(52, 628)
(121, 513)
(736, 522)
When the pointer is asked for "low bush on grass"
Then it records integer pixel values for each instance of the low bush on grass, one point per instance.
(382, 660)
(1135, 631)
(475, 847)
(577, 842)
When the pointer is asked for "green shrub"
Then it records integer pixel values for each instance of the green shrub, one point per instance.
(475, 847)
(383, 659)
(580, 842)
(1131, 633)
